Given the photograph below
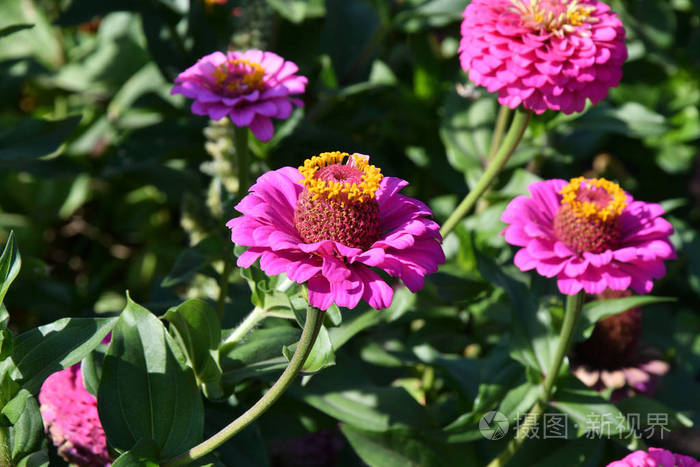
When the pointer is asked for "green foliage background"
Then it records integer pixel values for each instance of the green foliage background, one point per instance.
(108, 184)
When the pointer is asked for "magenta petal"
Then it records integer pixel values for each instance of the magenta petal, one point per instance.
(376, 292)
(320, 295)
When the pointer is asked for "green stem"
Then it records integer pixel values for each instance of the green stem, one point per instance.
(250, 321)
(498, 130)
(512, 139)
(574, 305)
(240, 142)
(314, 319)
(223, 286)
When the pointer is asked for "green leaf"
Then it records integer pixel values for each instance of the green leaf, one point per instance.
(195, 326)
(533, 339)
(7, 30)
(595, 311)
(192, 260)
(259, 354)
(642, 407)
(297, 11)
(10, 263)
(28, 430)
(588, 410)
(36, 459)
(92, 373)
(631, 119)
(143, 454)
(462, 373)
(395, 448)
(32, 138)
(146, 392)
(55, 346)
(321, 355)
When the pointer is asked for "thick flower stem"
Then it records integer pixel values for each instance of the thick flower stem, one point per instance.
(314, 319)
(511, 141)
(498, 130)
(574, 305)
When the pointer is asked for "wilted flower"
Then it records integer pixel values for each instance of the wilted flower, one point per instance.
(328, 223)
(70, 416)
(613, 358)
(543, 54)
(250, 87)
(656, 457)
(590, 234)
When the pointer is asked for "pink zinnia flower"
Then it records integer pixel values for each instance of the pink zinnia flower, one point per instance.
(543, 54)
(250, 87)
(328, 223)
(70, 416)
(590, 234)
(613, 357)
(656, 457)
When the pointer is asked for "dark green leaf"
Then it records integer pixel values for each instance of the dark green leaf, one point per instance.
(56, 346)
(533, 339)
(32, 138)
(146, 391)
(195, 326)
(259, 354)
(192, 260)
(10, 263)
(143, 454)
(395, 448)
(36, 459)
(92, 373)
(28, 430)
(595, 311)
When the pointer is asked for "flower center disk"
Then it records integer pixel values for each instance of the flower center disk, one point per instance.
(239, 76)
(588, 217)
(557, 16)
(339, 200)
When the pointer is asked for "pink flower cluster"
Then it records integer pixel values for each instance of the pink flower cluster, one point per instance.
(543, 54)
(70, 416)
(250, 87)
(656, 457)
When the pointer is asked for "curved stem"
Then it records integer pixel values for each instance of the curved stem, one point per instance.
(574, 305)
(314, 319)
(250, 321)
(240, 142)
(515, 134)
(498, 130)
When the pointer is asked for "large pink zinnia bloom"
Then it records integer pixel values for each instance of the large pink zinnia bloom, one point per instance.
(543, 54)
(656, 457)
(250, 87)
(70, 416)
(590, 234)
(328, 224)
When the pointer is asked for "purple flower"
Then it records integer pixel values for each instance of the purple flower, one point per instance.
(328, 224)
(543, 54)
(70, 416)
(590, 234)
(656, 457)
(250, 87)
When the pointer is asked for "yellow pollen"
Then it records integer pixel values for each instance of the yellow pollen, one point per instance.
(240, 75)
(365, 190)
(538, 14)
(587, 209)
